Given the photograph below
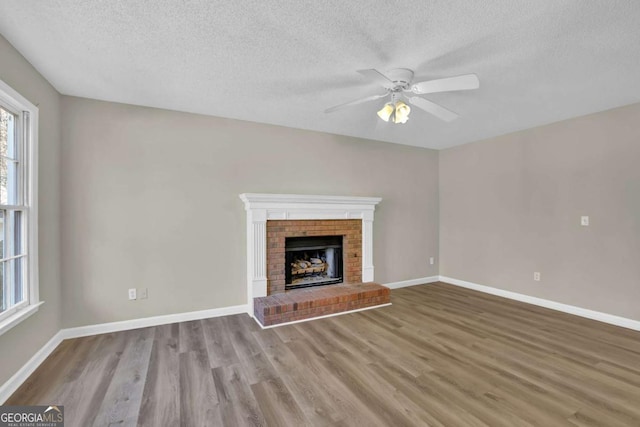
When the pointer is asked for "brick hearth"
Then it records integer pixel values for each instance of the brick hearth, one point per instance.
(307, 303)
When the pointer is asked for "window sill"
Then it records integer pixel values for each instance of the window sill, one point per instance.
(19, 316)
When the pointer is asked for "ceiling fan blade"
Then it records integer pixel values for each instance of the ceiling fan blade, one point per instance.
(466, 82)
(433, 108)
(356, 102)
(377, 77)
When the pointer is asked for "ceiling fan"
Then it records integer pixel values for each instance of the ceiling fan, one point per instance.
(399, 86)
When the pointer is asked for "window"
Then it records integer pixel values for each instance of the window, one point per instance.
(18, 213)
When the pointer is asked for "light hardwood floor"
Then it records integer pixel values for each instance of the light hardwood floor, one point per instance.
(440, 356)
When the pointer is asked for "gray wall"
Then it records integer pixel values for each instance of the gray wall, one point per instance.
(151, 200)
(511, 205)
(20, 343)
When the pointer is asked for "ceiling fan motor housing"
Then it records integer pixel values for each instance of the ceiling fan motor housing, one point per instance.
(401, 78)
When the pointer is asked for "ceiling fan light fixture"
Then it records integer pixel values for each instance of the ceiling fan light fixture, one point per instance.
(402, 112)
(386, 111)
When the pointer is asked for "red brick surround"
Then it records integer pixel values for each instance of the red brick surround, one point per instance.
(278, 230)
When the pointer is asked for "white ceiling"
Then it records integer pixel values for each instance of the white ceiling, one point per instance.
(285, 62)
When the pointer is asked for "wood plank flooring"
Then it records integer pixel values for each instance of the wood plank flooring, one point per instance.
(439, 356)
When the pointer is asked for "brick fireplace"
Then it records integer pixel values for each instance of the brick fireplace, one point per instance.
(272, 218)
(279, 230)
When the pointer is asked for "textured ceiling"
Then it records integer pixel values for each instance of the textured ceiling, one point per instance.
(285, 62)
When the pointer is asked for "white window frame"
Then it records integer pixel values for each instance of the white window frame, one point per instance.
(28, 135)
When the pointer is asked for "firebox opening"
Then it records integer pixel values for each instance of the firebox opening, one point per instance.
(313, 261)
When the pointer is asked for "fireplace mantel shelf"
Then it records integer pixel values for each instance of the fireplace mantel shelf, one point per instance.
(298, 206)
(263, 207)
(250, 198)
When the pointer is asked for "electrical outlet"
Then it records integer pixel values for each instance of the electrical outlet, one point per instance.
(584, 221)
(132, 294)
(144, 293)
(432, 260)
(536, 276)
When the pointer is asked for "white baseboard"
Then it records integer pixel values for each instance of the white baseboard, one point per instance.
(412, 282)
(9, 387)
(125, 325)
(321, 317)
(566, 308)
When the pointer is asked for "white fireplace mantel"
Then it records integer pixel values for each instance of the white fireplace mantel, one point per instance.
(263, 207)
